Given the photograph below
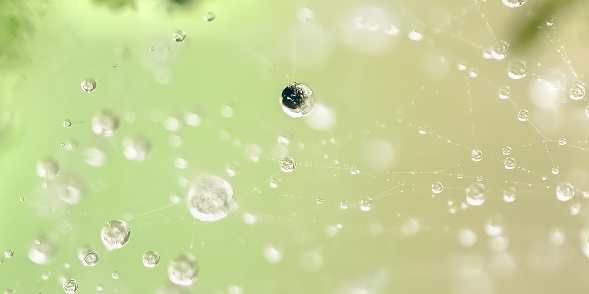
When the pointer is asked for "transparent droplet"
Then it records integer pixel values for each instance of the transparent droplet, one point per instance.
(136, 147)
(523, 115)
(575, 208)
(555, 170)
(68, 189)
(506, 150)
(95, 157)
(105, 123)
(183, 270)
(179, 35)
(66, 123)
(287, 165)
(192, 119)
(509, 194)
(509, 163)
(474, 72)
(172, 124)
(494, 225)
(366, 204)
(69, 145)
(116, 275)
(467, 238)
(297, 100)
(475, 194)
(70, 286)
(343, 204)
(565, 191)
(476, 155)
(422, 130)
(460, 176)
(514, 3)
(47, 168)
(151, 259)
(274, 182)
(517, 69)
(88, 256)
(210, 16)
(210, 198)
(320, 200)
(562, 141)
(42, 250)
(88, 85)
(115, 234)
(500, 50)
(231, 169)
(272, 254)
(504, 92)
(354, 170)
(437, 187)
(577, 92)
(480, 178)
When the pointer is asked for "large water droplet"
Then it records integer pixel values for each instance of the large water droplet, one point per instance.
(115, 234)
(183, 270)
(210, 198)
(577, 92)
(565, 191)
(70, 286)
(475, 194)
(297, 100)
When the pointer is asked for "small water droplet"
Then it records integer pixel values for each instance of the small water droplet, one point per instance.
(88, 85)
(506, 150)
(354, 170)
(562, 141)
(514, 3)
(9, 253)
(500, 50)
(509, 194)
(179, 35)
(577, 92)
(565, 191)
(183, 270)
(475, 194)
(297, 100)
(136, 147)
(476, 155)
(523, 115)
(116, 275)
(210, 16)
(504, 92)
(366, 204)
(287, 165)
(70, 286)
(66, 123)
(509, 163)
(422, 130)
(344, 205)
(555, 170)
(517, 69)
(437, 187)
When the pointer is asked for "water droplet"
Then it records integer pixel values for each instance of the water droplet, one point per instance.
(523, 115)
(183, 270)
(88, 85)
(476, 155)
(42, 250)
(66, 123)
(151, 259)
(192, 119)
(69, 189)
(297, 100)
(506, 150)
(287, 165)
(565, 191)
(494, 225)
(562, 141)
(105, 123)
(480, 178)
(9, 253)
(172, 124)
(422, 130)
(210, 198)
(575, 208)
(343, 204)
(179, 35)
(504, 92)
(136, 147)
(70, 286)
(517, 69)
(231, 169)
(272, 254)
(509, 194)
(437, 187)
(115, 234)
(577, 92)
(555, 170)
(69, 145)
(210, 16)
(354, 170)
(467, 238)
(475, 194)
(509, 163)
(116, 275)
(88, 256)
(474, 72)
(514, 3)
(366, 204)
(500, 50)
(273, 183)
(47, 168)
(320, 200)
(460, 175)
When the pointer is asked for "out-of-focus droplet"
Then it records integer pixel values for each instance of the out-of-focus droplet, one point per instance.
(514, 3)
(105, 123)
(354, 170)
(48, 168)
(343, 205)
(272, 254)
(179, 35)
(42, 250)
(210, 16)
(500, 50)
(183, 270)
(116, 275)
(136, 147)
(509, 194)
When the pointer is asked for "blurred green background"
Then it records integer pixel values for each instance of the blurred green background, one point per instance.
(405, 91)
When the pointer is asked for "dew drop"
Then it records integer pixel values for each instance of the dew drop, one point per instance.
(517, 69)
(47, 168)
(565, 191)
(42, 250)
(506, 150)
(494, 225)
(210, 198)
(88, 85)
(210, 16)
(509, 194)
(514, 3)
(509, 163)
(523, 115)
(460, 176)
(183, 270)
(354, 170)
(287, 165)
(476, 155)
(562, 141)
(105, 123)
(179, 35)
(136, 147)
(555, 170)
(115, 234)
(274, 182)
(88, 256)
(9, 253)
(504, 92)
(320, 200)
(437, 187)
(150, 259)
(575, 209)
(366, 204)
(577, 92)
(344, 205)
(70, 286)
(297, 100)
(475, 194)
(500, 50)
(422, 130)
(66, 123)
(272, 254)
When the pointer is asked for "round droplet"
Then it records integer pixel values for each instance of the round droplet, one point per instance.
(562, 141)
(151, 259)
(343, 204)
(460, 176)
(366, 204)
(506, 150)
(88, 256)
(136, 148)
(297, 100)
(115, 234)
(66, 123)
(272, 253)
(494, 225)
(69, 189)
(88, 85)
(514, 3)
(70, 286)
(517, 69)
(509, 163)
(523, 115)
(183, 270)
(565, 191)
(509, 194)
(116, 275)
(437, 187)
(422, 130)
(287, 165)
(500, 50)
(475, 194)
(504, 92)
(476, 155)
(354, 170)
(555, 170)
(210, 16)
(577, 92)
(42, 250)
(274, 182)
(210, 198)
(47, 168)
(9, 253)
(320, 200)
(179, 35)
(105, 123)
